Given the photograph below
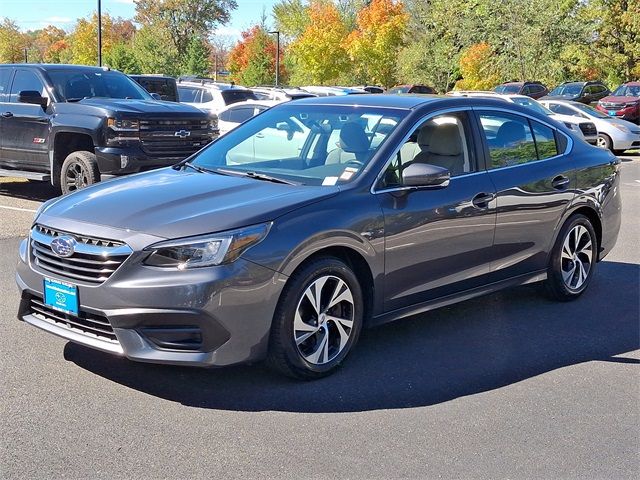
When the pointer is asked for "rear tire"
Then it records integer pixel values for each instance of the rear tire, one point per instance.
(79, 170)
(573, 259)
(317, 321)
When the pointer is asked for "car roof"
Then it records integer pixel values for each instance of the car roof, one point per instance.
(264, 103)
(211, 85)
(59, 66)
(633, 83)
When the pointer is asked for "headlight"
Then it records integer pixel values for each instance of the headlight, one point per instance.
(632, 104)
(120, 131)
(622, 128)
(205, 250)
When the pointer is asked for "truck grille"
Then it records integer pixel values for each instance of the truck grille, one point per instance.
(86, 323)
(588, 129)
(93, 261)
(174, 138)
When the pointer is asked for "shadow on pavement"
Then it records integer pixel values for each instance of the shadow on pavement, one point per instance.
(38, 191)
(475, 346)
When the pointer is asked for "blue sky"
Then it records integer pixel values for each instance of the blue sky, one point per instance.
(34, 14)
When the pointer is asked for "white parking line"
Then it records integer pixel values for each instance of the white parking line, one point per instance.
(18, 209)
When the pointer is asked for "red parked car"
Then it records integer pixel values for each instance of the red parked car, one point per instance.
(623, 103)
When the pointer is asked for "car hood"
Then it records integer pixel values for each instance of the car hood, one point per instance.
(140, 107)
(172, 203)
(618, 99)
(570, 118)
(559, 97)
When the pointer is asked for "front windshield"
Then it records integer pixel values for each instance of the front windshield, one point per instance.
(567, 90)
(533, 105)
(627, 91)
(305, 144)
(74, 85)
(592, 112)
(507, 89)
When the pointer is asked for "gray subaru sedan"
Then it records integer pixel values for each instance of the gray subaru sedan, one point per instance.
(284, 238)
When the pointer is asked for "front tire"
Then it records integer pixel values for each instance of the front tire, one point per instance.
(79, 170)
(317, 321)
(573, 259)
(604, 141)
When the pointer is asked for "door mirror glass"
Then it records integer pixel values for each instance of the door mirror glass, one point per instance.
(425, 175)
(31, 96)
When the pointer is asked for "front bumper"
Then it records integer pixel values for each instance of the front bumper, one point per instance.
(625, 141)
(631, 114)
(125, 160)
(213, 316)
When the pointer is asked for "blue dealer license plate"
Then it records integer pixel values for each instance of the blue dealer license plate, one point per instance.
(612, 113)
(61, 296)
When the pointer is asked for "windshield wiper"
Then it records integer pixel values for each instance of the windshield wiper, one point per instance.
(197, 168)
(256, 175)
(76, 99)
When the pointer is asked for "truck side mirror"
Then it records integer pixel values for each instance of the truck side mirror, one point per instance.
(34, 97)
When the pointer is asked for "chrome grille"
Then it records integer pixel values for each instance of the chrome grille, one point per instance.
(612, 106)
(588, 128)
(158, 137)
(94, 259)
(86, 323)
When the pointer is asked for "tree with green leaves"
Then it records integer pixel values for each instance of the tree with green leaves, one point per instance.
(197, 59)
(252, 61)
(12, 42)
(182, 19)
(154, 51)
(121, 57)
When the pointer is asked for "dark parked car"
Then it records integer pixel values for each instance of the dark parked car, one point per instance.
(623, 103)
(583, 92)
(72, 125)
(163, 86)
(412, 89)
(530, 89)
(394, 205)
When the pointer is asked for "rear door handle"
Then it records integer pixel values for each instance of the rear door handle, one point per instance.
(7, 114)
(482, 200)
(560, 182)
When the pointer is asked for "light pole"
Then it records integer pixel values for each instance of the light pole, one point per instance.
(277, 34)
(99, 33)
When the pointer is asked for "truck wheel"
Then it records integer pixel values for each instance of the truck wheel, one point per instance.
(79, 170)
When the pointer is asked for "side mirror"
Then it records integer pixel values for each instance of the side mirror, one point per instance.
(155, 96)
(425, 175)
(33, 97)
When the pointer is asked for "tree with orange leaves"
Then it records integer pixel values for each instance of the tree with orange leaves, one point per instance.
(252, 61)
(373, 46)
(477, 67)
(318, 55)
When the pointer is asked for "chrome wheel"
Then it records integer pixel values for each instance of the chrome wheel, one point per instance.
(323, 320)
(602, 142)
(577, 256)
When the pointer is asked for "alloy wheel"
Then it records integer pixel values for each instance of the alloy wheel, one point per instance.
(323, 320)
(577, 257)
(76, 176)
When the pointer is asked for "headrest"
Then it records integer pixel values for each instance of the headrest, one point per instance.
(510, 132)
(445, 140)
(424, 134)
(353, 139)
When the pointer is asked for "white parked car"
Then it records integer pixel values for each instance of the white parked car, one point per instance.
(211, 96)
(237, 113)
(582, 127)
(280, 94)
(614, 134)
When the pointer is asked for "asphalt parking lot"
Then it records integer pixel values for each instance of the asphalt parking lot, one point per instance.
(511, 385)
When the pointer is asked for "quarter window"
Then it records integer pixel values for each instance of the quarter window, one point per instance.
(189, 95)
(513, 140)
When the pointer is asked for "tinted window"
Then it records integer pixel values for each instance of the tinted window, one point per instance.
(627, 91)
(442, 141)
(509, 139)
(572, 89)
(232, 96)
(561, 109)
(239, 115)
(536, 88)
(26, 80)
(507, 89)
(165, 87)
(5, 73)
(73, 85)
(514, 140)
(207, 96)
(189, 94)
(545, 140)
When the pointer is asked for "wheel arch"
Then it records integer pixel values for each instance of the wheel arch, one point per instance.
(589, 210)
(64, 143)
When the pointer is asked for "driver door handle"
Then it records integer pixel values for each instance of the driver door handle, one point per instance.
(482, 200)
(7, 114)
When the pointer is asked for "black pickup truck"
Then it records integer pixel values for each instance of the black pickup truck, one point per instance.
(72, 124)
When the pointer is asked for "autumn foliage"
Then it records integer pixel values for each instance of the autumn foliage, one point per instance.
(253, 60)
(477, 67)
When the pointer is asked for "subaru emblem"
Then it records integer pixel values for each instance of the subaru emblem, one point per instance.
(63, 246)
(182, 133)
